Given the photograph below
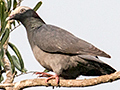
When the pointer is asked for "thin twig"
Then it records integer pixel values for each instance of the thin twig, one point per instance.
(27, 73)
(19, 2)
(15, 27)
(24, 73)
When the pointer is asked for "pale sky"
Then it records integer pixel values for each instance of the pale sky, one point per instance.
(96, 21)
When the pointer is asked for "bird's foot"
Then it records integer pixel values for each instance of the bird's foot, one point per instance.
(43, 74)
(50, 76)
(56, 77)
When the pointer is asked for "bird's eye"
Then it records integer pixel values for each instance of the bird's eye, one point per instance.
(22, 10)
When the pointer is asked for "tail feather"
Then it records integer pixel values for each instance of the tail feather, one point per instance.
(96, 67)
(104, 69)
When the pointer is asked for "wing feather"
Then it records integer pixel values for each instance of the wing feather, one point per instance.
(56, 40)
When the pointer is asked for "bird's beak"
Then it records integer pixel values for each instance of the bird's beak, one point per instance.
(10, 17)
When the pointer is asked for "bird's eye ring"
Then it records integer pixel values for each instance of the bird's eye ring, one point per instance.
(22, 10)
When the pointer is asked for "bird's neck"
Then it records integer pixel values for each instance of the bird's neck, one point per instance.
(32, 23)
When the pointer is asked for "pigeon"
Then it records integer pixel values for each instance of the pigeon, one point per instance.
(58, 50)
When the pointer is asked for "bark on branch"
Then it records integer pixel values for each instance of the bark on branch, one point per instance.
(63, 83)
(67, 83)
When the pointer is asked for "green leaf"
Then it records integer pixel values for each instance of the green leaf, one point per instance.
(37, 6)
(2, 64)
(1, 56)
(4, 21)
(1, 4)
(18, 54)
(1, 78)
(1, 53)
(46, 71)
(2, 15)
(14, 4)
(18, 22)
(11, 61)
(4, 37)
(2, 10)
(17, 64)
(9, 5)
(13, 23)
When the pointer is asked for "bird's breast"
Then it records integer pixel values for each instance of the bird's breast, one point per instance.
(41, 57)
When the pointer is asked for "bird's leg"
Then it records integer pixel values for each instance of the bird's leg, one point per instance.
(56, 77)
(43, 74)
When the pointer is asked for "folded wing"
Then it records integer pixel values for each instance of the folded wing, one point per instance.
(53, 39)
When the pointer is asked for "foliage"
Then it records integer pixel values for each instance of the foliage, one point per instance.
(16, 61)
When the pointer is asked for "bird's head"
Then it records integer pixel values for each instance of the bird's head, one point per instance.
(22, 12)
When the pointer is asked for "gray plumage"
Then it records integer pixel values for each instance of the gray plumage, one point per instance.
(58, 50)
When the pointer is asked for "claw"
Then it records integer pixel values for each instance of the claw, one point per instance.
(56, 77)
(43, 74)
(50, 76)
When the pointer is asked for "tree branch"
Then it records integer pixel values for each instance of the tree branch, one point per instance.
(2, 86)
(63, 83)
(67, 83)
